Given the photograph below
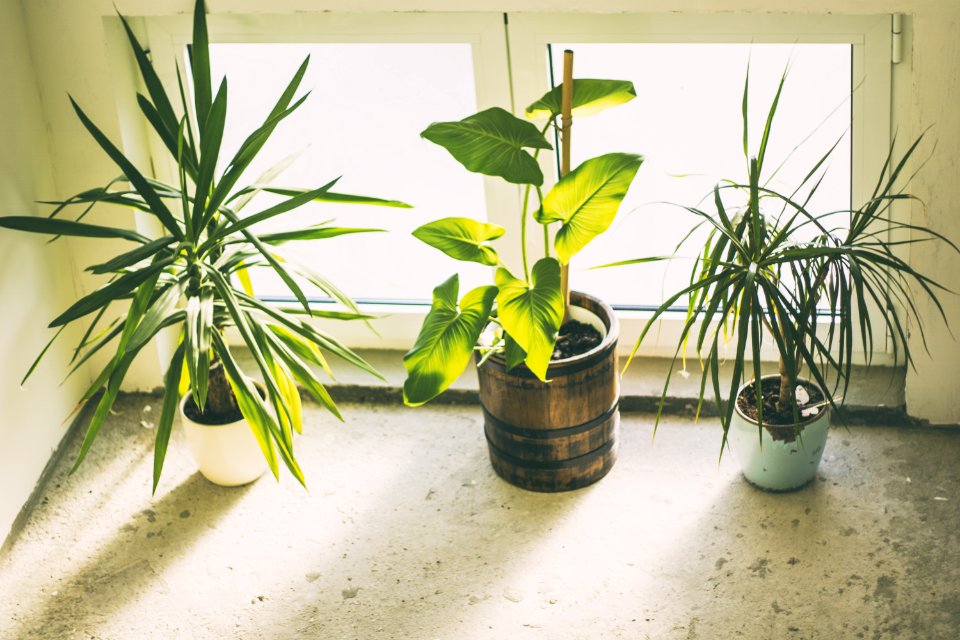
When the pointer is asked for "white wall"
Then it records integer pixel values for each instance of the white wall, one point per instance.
(36, 283)
(70, 44)
(932, 388)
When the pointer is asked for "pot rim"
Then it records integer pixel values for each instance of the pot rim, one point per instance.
(799, 426)
(606, 316)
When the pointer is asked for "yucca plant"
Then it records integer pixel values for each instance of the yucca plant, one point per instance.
(185, 278)
(756, 280)
(526, 304)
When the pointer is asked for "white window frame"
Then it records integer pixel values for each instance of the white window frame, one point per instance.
(511, 71)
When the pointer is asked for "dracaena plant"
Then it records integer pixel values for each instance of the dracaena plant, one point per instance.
(184, 279)
(772, 269)
(526, 304)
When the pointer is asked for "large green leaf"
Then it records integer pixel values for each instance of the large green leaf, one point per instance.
(165, 424)
(310, 333)
(449, 333)
(210, 141)
(255, 141)
(270, 212)
(198, 337)
(318, 232)
(512, 352)
(108, 293)
(341, 198)
(462, 238)
(161, 104)
(56, 226)
(300, 371)
(158, 247)
(586, 200)
(200, 64)
(531, 313)
(589, 96)
(139, 182)
(492, 142)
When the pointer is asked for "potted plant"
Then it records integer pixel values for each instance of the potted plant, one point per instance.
(185, 279)
(550, 409)
(757, 280)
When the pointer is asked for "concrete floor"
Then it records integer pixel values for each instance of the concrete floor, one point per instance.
(406, 533)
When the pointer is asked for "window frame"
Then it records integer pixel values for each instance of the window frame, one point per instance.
(510, 70)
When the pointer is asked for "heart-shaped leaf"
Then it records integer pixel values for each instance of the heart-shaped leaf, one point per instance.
(512, 352)
(462, 238)
(586, 200)
(531, 312)
(589, 96)
(492, 142)
(449, 333)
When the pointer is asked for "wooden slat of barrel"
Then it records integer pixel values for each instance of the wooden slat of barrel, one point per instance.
(556, 476)
(551, 444)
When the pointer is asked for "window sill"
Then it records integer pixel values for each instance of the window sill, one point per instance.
(876, 394)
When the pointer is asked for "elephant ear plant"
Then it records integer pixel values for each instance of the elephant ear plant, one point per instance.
(526, 303)
(772, 269)
(183, 279)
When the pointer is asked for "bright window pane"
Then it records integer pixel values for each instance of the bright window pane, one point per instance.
(362, 121)
(686, 122)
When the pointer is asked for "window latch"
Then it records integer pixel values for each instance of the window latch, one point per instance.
(896, 39)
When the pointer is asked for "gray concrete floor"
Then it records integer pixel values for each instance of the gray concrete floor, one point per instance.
(406, 533)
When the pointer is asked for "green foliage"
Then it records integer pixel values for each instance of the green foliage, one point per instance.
(183, 279)
(493, 143)
(590, 96)
(446, 340)
(462, 239)
(586, 200)
(756, 280)
(531, 312)
(529, 307)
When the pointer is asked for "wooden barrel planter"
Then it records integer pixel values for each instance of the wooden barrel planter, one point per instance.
(560, 435)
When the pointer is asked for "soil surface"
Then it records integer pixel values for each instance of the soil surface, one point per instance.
(208, 417)
(770, 388)
(574, 339)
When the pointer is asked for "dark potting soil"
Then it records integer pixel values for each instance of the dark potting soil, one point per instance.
(192, 411)
(213, 419)
(770, 390)
(574, 339)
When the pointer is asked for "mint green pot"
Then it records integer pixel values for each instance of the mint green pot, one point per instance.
(772, 458)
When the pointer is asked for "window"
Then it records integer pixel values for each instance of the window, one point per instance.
(656, 50)
(686, 122)
(368, 104)
(378, 80)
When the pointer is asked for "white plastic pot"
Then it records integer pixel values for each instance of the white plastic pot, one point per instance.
(779, 464)
(227, 454)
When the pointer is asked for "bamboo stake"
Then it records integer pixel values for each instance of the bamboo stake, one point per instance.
(566, 124)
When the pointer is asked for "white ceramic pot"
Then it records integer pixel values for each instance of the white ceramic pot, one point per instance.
(778, 464)
(227, 454)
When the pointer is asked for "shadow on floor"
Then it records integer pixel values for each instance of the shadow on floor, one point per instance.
(132, 562)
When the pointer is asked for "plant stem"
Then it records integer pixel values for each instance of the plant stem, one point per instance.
(546, 229)
(566, 121)
(523, 213)
(787, 387)
(523, 231)
(220, 398)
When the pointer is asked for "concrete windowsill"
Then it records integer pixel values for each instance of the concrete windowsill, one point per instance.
(876, 394)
